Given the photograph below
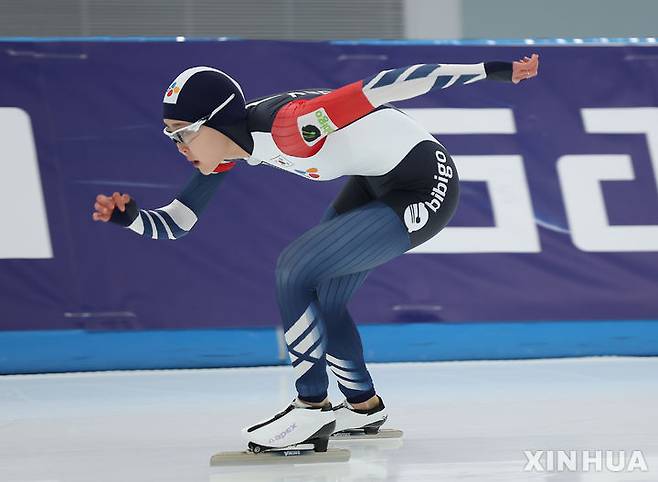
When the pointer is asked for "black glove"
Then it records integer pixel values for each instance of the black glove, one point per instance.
(501, 71)
(126, 217)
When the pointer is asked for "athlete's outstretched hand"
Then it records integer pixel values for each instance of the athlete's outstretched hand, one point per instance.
(524, 69)
(105, 205)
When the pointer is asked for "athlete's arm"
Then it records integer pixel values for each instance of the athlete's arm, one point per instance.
(301, 125)
(168, 222)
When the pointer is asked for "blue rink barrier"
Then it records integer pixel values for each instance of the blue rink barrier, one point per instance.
(79, 350)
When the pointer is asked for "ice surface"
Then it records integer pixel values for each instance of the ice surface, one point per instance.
(463, 421)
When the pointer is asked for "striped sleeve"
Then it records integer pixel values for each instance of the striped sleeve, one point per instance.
(301, 126)
(407, 82)
(176, 219)
(169, 222)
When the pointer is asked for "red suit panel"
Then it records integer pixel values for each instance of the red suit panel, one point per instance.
(342, 106)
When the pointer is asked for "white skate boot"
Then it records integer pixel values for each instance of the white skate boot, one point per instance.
(368, 421)
(297, 435)
(298, 424)
(362, 424)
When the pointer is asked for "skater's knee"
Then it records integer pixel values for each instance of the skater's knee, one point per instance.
(284, 269)
(292, 271)
(332, 309)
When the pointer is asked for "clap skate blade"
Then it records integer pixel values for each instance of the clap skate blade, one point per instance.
(313, 450)
(369, 432)
(305, 453)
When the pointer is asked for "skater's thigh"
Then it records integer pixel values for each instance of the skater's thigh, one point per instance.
(336, 291)
(351, 242)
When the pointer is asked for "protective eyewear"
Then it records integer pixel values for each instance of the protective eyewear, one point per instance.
(186, 134)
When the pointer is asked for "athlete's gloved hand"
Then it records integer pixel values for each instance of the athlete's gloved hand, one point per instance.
(117, 208)
(525, 68)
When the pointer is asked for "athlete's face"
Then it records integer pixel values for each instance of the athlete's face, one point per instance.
(206, 148)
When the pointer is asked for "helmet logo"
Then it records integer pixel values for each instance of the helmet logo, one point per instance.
(172, 92)
(173, 89)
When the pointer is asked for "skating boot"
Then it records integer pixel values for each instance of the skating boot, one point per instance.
(352, 423)
(297, 435)
(298, 424)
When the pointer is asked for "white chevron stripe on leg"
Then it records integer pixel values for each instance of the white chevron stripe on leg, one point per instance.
(342, 373)
(300, 326)
(302, 368)
(308, 341)
(337, 362)
(353, 385)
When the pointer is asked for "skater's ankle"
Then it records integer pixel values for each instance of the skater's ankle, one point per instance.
(369, 404)
(315, 404)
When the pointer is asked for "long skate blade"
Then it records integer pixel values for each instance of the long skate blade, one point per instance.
(289, 456)
(384, 433)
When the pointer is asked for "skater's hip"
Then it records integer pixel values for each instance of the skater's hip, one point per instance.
(423, 190)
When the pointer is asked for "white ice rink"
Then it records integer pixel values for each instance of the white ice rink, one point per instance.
(463, 421)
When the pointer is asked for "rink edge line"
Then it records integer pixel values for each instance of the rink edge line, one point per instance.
(274, 369)
(25, 352)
